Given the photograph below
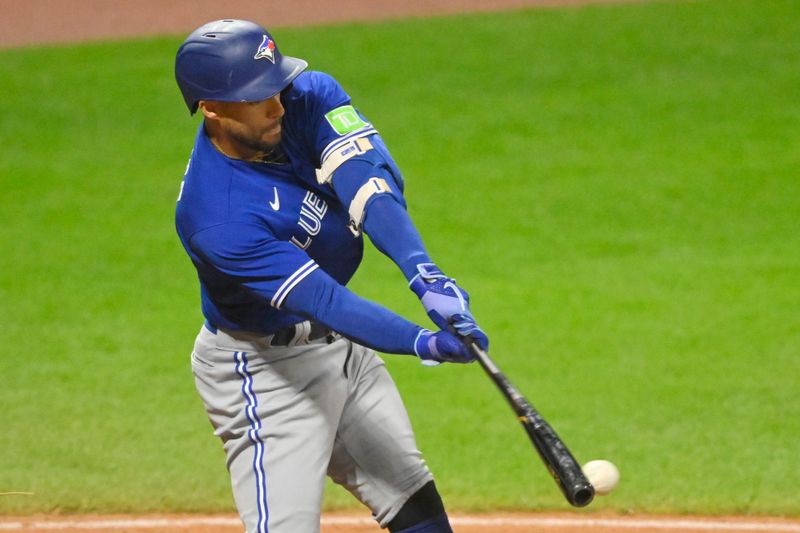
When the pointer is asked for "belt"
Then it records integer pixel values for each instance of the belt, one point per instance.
(300, 333)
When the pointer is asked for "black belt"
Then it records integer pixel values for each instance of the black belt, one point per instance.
(284, 337)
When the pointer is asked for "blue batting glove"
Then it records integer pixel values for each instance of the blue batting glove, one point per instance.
(446, 303)
(441, 347)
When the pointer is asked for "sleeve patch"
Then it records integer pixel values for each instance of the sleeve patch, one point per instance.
(344, 119)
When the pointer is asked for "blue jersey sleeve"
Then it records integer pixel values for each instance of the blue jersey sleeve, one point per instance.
(321, 298)
(311, 113)
(279, 272)
(247, 258)
(327, 124)
(330, 116)
(355, 162)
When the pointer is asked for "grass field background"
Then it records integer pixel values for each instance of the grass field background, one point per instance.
(617, 187)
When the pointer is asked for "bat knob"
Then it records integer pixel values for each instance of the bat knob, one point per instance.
(582, 496)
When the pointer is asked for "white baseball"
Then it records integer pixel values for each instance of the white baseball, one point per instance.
(602, 474)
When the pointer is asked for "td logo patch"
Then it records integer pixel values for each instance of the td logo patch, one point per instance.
(344, 119)
(266, 50)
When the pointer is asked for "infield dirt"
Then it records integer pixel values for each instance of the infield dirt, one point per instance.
(30, 22)
(361, 523)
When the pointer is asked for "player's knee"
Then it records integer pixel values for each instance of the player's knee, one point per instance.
(422, 513)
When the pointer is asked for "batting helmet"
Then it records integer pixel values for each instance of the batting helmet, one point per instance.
(232, 61)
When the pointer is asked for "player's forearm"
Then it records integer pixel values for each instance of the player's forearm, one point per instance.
(322, 299)
(380, 212)
(392, 232)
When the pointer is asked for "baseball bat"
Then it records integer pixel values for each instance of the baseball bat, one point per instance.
(554, 453)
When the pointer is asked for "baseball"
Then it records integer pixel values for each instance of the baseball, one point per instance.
(602, 474)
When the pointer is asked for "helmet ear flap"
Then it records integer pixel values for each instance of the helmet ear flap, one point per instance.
(232, 61)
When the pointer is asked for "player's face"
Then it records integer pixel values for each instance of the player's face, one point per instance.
(260, 122)
(248, 128)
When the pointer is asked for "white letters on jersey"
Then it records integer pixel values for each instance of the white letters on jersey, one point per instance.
(312, 211)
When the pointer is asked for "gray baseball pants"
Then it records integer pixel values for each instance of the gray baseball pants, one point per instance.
(288, 415)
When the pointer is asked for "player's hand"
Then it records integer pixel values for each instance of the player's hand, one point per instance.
(446, 303)
(441, 347)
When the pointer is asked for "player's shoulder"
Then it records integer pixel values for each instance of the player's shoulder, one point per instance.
(215, 189)
(315, 88)
(312, 81)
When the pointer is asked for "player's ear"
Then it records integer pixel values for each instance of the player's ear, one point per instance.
(209, 108)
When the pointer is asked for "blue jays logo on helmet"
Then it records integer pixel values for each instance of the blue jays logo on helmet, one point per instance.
(266, 50)
(217, 62)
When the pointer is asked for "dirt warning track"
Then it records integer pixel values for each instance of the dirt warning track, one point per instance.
(30, 22)
(362, 523)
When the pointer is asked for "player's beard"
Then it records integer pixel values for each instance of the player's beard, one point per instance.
(259, 142)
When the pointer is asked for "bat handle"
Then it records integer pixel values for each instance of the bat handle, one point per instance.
(483, 358)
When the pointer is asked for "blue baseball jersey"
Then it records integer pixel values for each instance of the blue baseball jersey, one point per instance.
(255, 230)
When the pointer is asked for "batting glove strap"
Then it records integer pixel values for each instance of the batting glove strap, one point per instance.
(440, 347)
(425, 348)
(428, 272)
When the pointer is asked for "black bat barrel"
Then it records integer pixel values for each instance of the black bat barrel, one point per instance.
(551, 449)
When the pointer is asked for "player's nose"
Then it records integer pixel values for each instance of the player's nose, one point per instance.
(275, 107)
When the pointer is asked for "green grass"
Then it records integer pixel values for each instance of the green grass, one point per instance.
(615, 185)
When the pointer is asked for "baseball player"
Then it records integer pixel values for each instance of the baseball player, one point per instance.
(285, 178)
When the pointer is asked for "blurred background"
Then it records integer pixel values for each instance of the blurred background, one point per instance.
(615, 185)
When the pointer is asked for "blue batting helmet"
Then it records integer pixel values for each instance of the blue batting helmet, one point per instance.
(232, 61)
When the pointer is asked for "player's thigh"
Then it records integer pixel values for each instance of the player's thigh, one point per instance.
(277, 412)
(375, 455)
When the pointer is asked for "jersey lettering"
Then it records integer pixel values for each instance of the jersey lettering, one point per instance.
(301, 245)
(312, 211)
(185, 172)
(309, 222)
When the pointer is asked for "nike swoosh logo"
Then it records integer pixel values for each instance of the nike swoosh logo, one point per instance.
(276, 203)
(461, 301)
